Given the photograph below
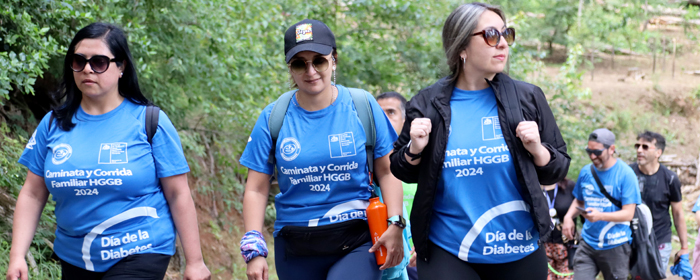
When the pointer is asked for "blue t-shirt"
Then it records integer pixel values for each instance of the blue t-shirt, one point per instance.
(479, 214)
(104, 176)
(321, 161)
(696, 207)
(621, 183)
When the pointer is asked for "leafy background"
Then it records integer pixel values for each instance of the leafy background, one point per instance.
(213, 65)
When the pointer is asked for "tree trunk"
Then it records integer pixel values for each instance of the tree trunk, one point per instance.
(673, 65)
(653, 53)
(592, 65)
(613, 57)
(580, 12)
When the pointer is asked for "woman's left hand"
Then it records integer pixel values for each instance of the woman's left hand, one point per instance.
(197, 271)
(529, 134)
(392, 240)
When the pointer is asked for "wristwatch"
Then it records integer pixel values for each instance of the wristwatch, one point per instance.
(398, 221)
(409, 154)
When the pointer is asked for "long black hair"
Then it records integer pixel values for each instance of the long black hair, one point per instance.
(128, 84)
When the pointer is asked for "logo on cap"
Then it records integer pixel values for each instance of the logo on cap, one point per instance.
(304, 32)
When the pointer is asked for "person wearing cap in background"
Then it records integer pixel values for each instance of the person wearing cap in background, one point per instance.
(322, 171)
(606, 234)
(660, 189)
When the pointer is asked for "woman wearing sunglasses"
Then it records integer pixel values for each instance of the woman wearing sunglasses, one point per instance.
(319, 154)
(479, 144)
(120, 200)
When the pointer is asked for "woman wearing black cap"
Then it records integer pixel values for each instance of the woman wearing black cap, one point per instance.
(318, 149)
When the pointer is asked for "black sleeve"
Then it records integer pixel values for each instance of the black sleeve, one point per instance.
(558, 165)
(675, 187)
(400, 167)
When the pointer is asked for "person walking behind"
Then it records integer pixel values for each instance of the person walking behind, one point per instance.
(120, 195)
(660, 188)
(606, 234)
(394, 106)
(557, 246)
(323, 173)
(479, 144)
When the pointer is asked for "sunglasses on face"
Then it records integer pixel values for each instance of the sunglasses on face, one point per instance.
(98, 63)
(492, 36)
(644, 146)
(595, 152)
(299, 66)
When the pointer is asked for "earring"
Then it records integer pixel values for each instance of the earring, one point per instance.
(121, 74)
(334, 71)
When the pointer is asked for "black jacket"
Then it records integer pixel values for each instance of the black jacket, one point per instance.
(516, 101)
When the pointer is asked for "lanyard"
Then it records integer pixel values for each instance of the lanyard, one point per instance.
(551, 202)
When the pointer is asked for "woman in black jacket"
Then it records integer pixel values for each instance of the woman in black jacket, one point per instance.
(479, 212)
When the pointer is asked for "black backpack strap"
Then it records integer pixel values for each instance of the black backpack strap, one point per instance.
(603, 190)
(152, 114)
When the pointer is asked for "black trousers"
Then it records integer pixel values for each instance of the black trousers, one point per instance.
(139, 266)
(445, 266)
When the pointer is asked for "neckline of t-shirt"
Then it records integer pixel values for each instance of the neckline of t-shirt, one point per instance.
(84, 116)
(607, 169)
(460, 94)
(320, 113)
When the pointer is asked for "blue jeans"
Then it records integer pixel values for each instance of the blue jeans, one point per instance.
(665, 250)
(357, 264)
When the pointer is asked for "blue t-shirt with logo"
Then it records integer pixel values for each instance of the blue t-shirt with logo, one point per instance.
(479, 214)
(621, 183)
(321, 161)
(104, 176)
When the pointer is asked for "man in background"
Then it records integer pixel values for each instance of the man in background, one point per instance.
(394, 106)
(660, 188)
(606, 233)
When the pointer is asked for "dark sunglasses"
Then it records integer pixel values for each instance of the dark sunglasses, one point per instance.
(595, 152)
(298, 66)
(492, 36)
(644, 146)
(98, 63)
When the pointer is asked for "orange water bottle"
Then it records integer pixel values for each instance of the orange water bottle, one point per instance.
(376, 217)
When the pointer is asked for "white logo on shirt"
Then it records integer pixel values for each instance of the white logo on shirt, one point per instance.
(32, 141)
(113, 153)
(342, 145)
(61, 153)
(290, 148)
(491, 128)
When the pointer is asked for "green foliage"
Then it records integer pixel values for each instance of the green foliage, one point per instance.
(574, 121)
(32, 33)
(212, 65)
(11, 180)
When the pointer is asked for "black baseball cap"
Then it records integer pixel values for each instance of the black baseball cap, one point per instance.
(308, 35)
